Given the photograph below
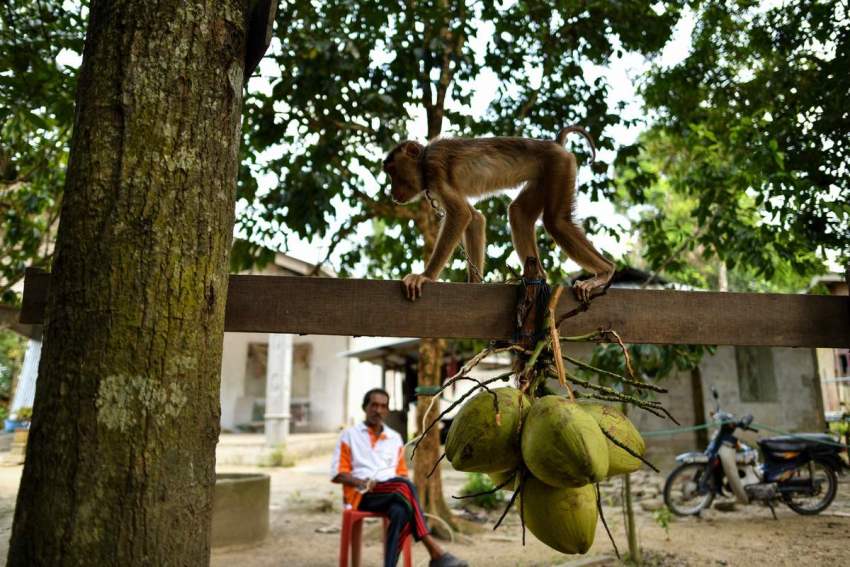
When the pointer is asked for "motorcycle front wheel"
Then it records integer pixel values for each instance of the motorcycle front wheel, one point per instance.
(682, 492)
(819, 484)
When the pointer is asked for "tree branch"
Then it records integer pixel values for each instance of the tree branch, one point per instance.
(424, 80)
(679, 249)
(342, 234)
(452, 46)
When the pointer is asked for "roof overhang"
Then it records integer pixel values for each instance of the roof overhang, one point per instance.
(401, 352)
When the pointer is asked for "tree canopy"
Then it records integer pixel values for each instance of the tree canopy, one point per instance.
(751, 129)
(36, 116)
(355, 75)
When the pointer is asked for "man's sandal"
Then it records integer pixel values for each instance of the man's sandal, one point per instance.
(448, 560)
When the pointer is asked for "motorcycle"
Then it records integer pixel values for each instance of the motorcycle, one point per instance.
(799, 470)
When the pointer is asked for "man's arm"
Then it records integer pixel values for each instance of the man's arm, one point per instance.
(401, 466)
(347, 479)
(342, 466)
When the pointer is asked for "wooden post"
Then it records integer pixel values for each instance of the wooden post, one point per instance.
(628, 504)
(847, 410)
(847, 281)
(631, 529)
(700, 417)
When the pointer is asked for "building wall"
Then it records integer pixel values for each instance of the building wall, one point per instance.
(830, 388)
(235, 408)
(798, 405)
(327, 388)
(363, 376)
(679, 402)
(328, 377)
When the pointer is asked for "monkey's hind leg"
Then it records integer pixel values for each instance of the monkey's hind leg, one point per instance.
(474, 243)
(523, 214)
(577, 246)
(557, 219)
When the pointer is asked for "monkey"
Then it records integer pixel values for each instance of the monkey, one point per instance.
(453, 169)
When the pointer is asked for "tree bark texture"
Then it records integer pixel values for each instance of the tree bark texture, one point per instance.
(120, 464)
(430, 489)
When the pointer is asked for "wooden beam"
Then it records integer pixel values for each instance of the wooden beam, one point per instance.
(328, 306)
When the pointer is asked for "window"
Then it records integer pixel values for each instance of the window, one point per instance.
(756, 379)
(255, 370)
(301, 354)
(842, 363)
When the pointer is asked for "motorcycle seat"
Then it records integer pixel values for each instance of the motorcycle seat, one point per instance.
(797, 442)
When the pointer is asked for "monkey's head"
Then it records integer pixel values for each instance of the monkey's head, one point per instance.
(402, 165)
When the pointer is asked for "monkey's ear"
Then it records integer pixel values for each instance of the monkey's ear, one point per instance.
(412, 149)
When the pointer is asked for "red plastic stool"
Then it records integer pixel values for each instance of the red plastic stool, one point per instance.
(352, 538)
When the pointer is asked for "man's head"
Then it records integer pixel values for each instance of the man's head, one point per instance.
(376, 404)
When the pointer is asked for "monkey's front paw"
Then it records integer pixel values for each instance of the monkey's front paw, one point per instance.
(583, 289)
(586, 290)
(413, 285)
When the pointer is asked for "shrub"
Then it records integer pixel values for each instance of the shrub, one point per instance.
(480, 482)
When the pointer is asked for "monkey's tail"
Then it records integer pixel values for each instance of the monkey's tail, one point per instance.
(562, 137)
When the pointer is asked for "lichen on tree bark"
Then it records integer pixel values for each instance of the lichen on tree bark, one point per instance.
(120, 464)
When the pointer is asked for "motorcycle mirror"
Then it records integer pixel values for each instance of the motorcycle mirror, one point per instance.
(714, 393)
(748, 419)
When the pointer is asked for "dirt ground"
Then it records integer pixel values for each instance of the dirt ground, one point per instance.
(747, 536)
(304, 502)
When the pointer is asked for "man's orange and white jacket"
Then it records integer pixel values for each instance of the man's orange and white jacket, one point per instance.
(369, 455)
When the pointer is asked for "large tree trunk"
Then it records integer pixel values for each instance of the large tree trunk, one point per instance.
(120, 464)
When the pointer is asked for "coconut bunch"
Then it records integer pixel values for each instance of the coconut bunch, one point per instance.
(550, 445)
(551, 451)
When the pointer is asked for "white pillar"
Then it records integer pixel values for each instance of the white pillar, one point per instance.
(25, 388)
(278, 388)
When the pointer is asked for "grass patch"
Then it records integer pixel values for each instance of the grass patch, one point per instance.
(278, 457)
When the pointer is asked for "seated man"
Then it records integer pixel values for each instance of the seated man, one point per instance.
(369, 463)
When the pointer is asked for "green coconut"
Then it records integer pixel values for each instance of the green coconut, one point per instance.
(562, 444)
(478, 442)
(623, 430)
(562, 518)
